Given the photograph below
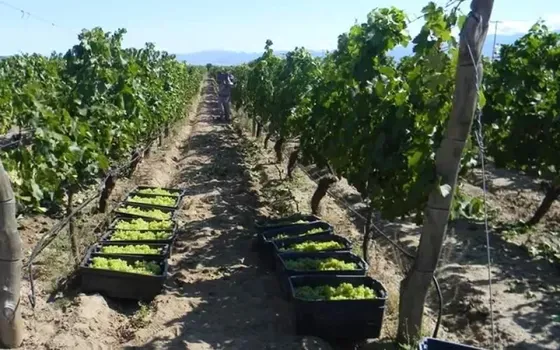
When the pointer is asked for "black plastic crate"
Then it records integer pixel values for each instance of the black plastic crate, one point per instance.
(437, 344)
(173, 212)
(267, 224)
(174, 191)
(178, 200)
(284, 273)
(284, 243)
(113, 224)
(106, 238)
(264, 239)
(122, 285)
(294, 230)
(339, 320)
(164, 248)
(268, 256)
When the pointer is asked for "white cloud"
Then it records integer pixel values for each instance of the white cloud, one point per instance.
(521, 27)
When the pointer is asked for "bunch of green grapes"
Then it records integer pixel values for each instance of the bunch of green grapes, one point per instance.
(159, 200)
(311, 246)
(140, 267)
(309, 232)
(327, 264)
(157, 192)
(141, 224)
(344, 291)
(123, 235)
(150, 213)
(130, 249)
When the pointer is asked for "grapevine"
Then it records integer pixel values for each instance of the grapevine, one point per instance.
(89, 108)
(140, 236)
(344, 291)
(159, 200)
(311, 246)
(370, 119)
(328, 264)
(130, 249)
(141, 224)
(139, 267)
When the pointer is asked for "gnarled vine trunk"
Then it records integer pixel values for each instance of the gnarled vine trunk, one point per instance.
(324, 184)
(108, 187)
(367, 235)
(278, 148)
(292, 162)
(266, 139)
(552, 194)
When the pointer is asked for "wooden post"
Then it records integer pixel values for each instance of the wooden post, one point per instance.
(11, 323)
(448, 158)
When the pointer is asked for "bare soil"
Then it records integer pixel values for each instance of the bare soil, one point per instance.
(219, 297)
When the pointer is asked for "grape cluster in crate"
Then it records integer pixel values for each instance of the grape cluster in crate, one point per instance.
(130, 259)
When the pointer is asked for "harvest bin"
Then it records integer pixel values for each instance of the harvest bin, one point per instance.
(144, 207)
(267, 224)
(106, 238)
(173, 191)
(436, 344)
(175, 206)
(122, 285)
(264, 239)
(283, 243)
(339, 320)
(284, 273)
(164, 248)
(113, 224)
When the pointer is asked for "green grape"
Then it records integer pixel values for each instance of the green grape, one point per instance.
(344, 291)
(141, 224)
(157, 191)
(311, 246)
(310, 232)
(151, 213)
(140, 267)
(123, 235)
(130, 249)
(160, 200)
(327, 264)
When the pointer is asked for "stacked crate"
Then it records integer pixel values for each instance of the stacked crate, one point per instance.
(130, 259)
(281, 242)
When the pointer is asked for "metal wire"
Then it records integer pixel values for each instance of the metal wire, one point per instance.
(480, 141)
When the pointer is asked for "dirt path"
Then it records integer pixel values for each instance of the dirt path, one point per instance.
(216, 296)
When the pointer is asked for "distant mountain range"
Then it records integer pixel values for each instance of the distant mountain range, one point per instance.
(230, 58)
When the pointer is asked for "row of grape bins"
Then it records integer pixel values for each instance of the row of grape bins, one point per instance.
(335, 320)
(129, 261)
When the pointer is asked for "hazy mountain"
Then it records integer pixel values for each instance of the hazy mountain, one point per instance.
(227, 58)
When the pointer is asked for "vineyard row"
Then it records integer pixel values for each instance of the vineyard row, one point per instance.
(88, 109)
(377, 121)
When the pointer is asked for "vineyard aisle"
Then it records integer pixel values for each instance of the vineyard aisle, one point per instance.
(216, 296)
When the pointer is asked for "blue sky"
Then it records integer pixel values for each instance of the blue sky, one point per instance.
(182, 26)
